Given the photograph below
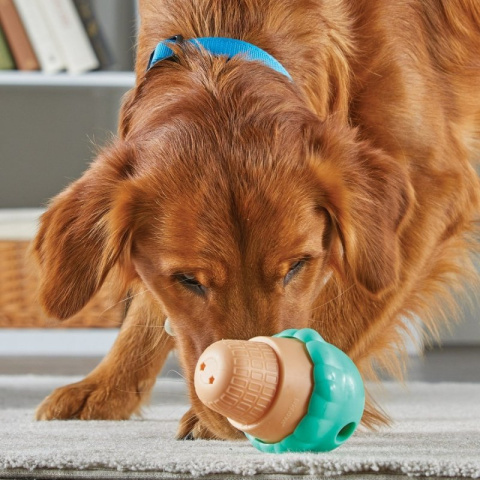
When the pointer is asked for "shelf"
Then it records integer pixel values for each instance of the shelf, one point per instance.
(92, 79)
(57, 342)
(17, 224)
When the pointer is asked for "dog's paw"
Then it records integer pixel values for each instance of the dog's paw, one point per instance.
(192, 428)
(90, 400)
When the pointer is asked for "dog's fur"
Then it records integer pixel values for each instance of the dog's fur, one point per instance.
(228, 172)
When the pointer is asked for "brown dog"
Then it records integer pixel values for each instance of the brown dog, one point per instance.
(240, 203)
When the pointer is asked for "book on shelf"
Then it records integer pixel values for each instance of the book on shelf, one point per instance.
(17, 38)
(97, 38)
(6, 60)
(52, 36)
(48, 53)
(67, 28)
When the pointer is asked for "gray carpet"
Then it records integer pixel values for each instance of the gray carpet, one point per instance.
(436, 434)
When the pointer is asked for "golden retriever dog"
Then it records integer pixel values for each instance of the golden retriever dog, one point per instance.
(237, 201)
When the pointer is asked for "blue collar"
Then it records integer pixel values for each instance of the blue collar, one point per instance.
(219, 46)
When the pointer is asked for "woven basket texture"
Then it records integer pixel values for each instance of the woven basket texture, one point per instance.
(19, 306)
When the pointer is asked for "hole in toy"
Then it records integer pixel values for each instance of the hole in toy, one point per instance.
(202, 367)
(211, 380)
(345, 432)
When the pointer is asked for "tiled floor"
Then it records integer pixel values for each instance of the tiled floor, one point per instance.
(449, 364)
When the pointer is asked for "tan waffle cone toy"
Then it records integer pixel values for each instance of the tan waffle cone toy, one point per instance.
(263, 386)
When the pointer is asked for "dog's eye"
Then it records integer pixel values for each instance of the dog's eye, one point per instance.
(294, 269)
(191, 283)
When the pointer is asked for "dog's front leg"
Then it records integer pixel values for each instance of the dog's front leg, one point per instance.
(122, 382)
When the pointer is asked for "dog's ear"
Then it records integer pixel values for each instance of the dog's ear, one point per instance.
(369, 197)
(84, 233)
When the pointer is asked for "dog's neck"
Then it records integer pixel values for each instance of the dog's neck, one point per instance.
(312, 41)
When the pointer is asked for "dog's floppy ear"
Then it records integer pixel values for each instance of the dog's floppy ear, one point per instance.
(369, 197)
(84, 232)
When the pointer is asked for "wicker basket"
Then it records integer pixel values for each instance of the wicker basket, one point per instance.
(19, 306)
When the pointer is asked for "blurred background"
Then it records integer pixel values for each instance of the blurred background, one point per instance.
(50, 122)
(56, 111)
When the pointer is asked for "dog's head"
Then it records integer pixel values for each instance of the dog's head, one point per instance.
(231, 202)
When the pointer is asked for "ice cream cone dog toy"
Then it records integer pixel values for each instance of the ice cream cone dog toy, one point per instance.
(292, 392)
